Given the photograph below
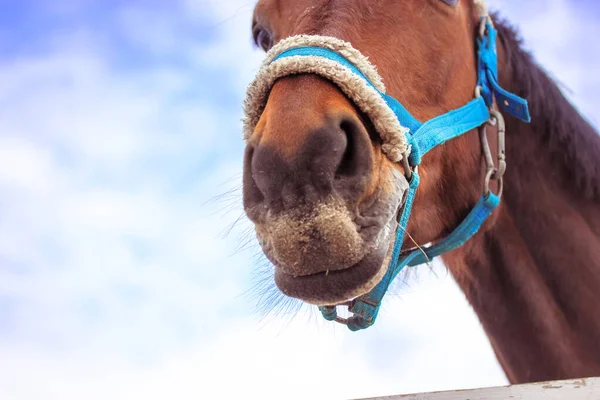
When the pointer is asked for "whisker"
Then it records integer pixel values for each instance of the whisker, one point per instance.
(228, 194)
(226, 210)
(233, 178)
(228, 229)
(268, 299)
(415, 243)
(246, 243)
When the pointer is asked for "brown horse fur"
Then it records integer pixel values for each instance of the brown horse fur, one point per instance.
(534, 277)
(533, 274)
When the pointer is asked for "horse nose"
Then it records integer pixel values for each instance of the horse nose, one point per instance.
(309, 146)
(332, 158)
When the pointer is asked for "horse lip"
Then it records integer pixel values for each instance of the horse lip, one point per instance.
(332, 287)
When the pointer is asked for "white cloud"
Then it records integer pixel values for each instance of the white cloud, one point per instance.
(102, 201)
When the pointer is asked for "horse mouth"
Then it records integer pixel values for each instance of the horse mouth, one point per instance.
(336, 286)
(330, 252)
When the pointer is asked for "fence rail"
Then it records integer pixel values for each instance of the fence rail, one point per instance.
(574, 389)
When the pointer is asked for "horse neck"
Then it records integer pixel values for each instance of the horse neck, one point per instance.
(533, 277)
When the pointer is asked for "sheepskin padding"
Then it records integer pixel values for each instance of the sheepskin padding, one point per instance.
(481, 7)
(366, 98)
(339, 46)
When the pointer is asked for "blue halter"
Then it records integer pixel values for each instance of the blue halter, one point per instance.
(422, 138)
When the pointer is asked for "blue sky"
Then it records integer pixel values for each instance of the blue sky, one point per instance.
(119, 122)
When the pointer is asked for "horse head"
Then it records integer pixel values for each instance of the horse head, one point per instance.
(322, 193)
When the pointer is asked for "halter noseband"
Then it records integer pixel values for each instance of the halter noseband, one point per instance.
(405, 138)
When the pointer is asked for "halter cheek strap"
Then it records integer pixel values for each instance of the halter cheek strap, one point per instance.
(432, 133)
(405, 138)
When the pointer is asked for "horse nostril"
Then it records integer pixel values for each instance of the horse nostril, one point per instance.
(356, 160)
(347, 165)
(251, 193)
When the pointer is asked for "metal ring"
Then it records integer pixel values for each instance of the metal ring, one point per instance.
(340, 320)
(486, 184)
(406, 167)
(483, 25)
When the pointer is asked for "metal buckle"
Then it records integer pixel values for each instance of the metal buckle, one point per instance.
(494, 172)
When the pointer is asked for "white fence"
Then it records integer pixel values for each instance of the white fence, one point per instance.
(575, 389)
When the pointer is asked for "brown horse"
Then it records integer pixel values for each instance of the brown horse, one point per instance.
(320, 189)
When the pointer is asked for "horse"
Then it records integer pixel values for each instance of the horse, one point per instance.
(325, 184)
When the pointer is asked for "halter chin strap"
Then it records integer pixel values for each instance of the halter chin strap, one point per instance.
(419, 139)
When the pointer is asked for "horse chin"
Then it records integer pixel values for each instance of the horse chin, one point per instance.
(335, 287)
